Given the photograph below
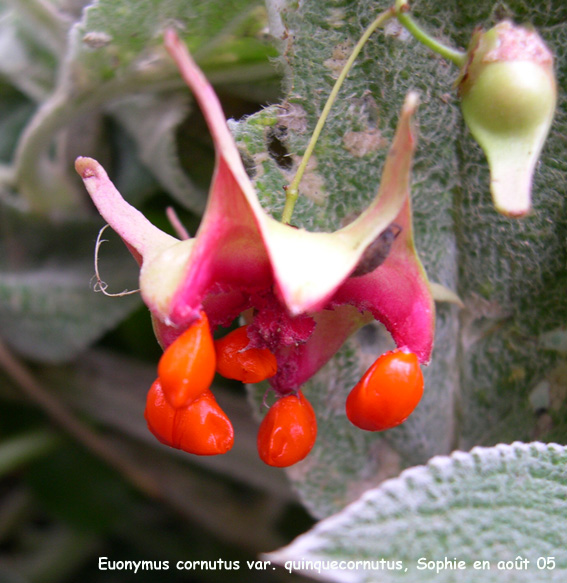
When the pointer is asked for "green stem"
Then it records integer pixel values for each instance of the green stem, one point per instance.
(455, 56)
(38, 178)
(292, 191)
(41, 180)
(50, 23)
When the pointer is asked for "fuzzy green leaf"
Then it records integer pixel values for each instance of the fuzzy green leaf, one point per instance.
(115, 39)
(487, 506)
(48, 309)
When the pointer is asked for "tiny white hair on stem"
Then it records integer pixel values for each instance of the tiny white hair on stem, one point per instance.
(100, 285)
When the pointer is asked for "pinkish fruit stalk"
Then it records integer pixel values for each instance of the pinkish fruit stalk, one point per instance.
(508, 94)
(295, 286)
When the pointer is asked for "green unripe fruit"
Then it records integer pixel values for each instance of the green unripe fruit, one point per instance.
(509, 98)
(508, 94)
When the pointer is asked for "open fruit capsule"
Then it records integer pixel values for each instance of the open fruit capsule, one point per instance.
(236, 361)
(287, 432)
(187, 367)
(387, 393)
(201, 428)
(508, 94)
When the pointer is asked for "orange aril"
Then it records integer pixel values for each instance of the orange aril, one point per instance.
(187, 367)
(287, 432)
(388, 392)
(235, 360)
(201, 428)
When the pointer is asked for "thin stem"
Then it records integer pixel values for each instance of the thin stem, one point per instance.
(455, 56)
(72, 425)
(176, 223)
(292, 191)
(38, 178)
